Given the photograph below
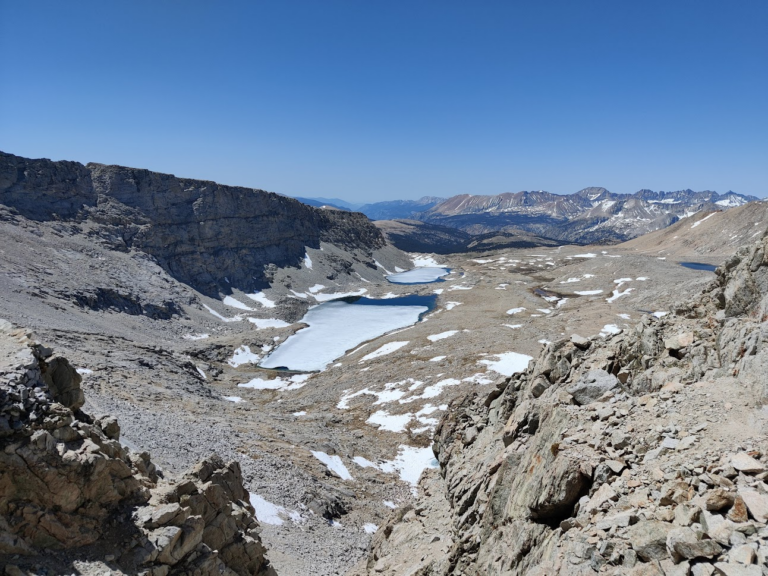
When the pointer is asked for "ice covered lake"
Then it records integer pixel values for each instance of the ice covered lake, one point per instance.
(424, 275)
(341, 325)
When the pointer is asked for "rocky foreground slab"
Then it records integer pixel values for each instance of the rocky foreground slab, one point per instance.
(73, 499)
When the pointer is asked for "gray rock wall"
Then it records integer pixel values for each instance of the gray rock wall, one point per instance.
(199, 231)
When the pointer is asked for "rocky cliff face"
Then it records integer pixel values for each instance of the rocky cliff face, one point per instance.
(72, 496)
(204, 234)
(643, 453)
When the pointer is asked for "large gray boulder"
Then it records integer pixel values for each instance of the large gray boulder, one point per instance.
(592, 386)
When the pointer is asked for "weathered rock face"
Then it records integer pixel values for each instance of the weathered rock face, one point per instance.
(44, 190)
(200, 232)
(552, 473)
(67, 485)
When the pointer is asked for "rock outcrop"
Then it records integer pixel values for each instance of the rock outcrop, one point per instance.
(70, 492)
(207, 235)
(638, 453)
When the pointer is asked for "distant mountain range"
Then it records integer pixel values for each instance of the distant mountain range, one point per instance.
(591, 215)
(400, 209)
(389, 210)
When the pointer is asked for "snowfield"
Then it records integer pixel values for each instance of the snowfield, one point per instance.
(508, 363)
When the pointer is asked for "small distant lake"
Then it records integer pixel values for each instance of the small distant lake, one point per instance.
(699, 266)
(419, 276)
(340, 325)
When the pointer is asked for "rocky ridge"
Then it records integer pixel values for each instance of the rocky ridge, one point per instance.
(207, 235)
(73, 498)
(641, 453)
(415, 236)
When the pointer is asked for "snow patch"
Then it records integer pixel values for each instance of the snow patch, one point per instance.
(508, 363)
(390, 422)
(442, 335)
(617, 294)
(234, 303)
(293, 383)
(237, 318)
(363, 462)
(261, 298)
(195, 336)
(266, 512)
(387, 348)
(702, 220)
(262, 323)
(423, 261)
(609, 329)
(334, 464)
(410, 462)
(243, 355)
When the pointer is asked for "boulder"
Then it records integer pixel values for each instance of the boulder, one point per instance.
(683, 544)
(591, 386)
(580, 342)
(64, 383)
(756, 503)
(679, 342)
(738, 512)
(745, 463)
(735, 569)
(743, 554)
(649, 539)
(719, 498)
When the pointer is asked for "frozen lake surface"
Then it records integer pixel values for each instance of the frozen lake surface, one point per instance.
(338, 326)
(419, 276)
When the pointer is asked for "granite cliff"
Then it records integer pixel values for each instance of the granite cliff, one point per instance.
(209, 236)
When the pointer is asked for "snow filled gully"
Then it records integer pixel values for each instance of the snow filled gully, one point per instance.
(335, 327)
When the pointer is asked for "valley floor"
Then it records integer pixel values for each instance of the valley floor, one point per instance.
(328, 459)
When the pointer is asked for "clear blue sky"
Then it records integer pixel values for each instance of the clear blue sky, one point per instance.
(372, 100)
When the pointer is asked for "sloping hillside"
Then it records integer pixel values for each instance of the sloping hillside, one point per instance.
(707, 236)
(641, 453)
